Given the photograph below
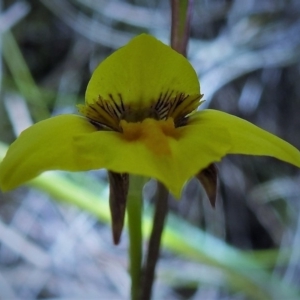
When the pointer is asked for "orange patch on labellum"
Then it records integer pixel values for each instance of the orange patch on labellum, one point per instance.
(155, 135)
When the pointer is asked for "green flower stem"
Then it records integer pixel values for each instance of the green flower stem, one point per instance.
(134, 213)
(161, 210)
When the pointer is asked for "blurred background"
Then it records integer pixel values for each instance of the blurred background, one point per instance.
(247, 55)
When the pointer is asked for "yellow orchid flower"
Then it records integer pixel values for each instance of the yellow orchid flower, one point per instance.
(140, 117)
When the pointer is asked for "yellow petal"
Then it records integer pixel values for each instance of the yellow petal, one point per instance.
(247, 138)
(156, 149)
(140, 73)
(44, 146)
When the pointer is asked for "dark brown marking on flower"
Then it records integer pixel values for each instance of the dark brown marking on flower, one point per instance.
(113, 112)
(121, 102)
(167, 95)
(181, 122)
(106, 107)
(163, 104)
(169, 104)
(118, 109)
(98, 125)
(164, 113)
(110, 107)
(93, 108)
(99, 102)
(180, 99)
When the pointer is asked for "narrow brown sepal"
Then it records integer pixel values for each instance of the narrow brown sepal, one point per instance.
(209, 179)
(118, 190)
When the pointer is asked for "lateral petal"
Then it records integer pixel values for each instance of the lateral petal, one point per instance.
(247, 138)
(47, 145)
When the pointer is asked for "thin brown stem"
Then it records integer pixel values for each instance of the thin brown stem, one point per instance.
(180, 29)
(161, 210)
